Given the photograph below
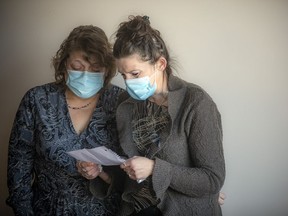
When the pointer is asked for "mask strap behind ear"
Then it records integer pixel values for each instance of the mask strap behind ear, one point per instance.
(155, 71)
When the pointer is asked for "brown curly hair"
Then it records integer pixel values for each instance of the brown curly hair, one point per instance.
(93, 42)
(136, 36)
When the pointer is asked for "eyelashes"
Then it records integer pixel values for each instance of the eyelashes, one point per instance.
(130, 75)
(81, 67)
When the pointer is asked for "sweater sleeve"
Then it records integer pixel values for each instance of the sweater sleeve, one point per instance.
(204, 136)
(21, 153)
(101, 189)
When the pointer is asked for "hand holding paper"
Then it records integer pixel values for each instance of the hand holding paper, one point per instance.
(99, 155)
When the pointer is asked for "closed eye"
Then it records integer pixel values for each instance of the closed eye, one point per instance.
(77, 66)
(130, 75)
(135, 74)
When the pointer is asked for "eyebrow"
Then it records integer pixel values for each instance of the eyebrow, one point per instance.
(130, 72)
(81, 62)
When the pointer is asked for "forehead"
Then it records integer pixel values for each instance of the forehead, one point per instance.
(132, 62)
(82, 56)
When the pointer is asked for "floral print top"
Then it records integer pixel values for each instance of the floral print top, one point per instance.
(42, 177)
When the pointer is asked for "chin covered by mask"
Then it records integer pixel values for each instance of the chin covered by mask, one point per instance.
(85, 84)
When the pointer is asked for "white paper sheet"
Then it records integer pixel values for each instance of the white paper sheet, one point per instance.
(100, 155)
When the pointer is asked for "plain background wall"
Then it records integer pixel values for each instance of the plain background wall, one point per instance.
(236, 50)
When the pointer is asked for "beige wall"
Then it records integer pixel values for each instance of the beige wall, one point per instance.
(237, 50)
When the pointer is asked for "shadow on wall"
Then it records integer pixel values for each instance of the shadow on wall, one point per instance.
(14, 83)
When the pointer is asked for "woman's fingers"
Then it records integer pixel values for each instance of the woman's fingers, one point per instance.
(221, 198)
(88, 170)
(138, 167)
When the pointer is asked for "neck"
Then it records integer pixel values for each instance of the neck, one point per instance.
(161, 94)
(75, 102)
(72, 97)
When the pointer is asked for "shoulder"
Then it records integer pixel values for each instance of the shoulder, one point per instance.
(112, 91)
(123, 97)
(110, 96)
(197, 92)
(34, 95)
(41, 90)
(200, 102)
(192, 93)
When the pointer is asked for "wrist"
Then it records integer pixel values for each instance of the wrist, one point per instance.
(105, 177)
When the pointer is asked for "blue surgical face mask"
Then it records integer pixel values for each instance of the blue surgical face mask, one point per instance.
(85, 84)
(140, 88)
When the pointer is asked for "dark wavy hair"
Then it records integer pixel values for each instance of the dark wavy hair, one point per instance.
(136, 36)
(93, 42)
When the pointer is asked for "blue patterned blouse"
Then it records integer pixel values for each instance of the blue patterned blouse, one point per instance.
(42, 178)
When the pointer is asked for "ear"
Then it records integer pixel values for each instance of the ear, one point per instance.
(161, 64)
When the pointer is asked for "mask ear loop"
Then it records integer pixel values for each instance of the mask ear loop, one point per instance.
(155, 71)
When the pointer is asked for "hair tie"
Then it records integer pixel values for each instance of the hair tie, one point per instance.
(146, 19)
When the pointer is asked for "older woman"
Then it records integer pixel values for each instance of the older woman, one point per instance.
(74, 112)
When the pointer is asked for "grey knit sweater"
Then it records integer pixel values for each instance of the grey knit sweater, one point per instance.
(189, 166)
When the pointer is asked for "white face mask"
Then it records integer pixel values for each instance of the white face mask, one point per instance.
(85, 84)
